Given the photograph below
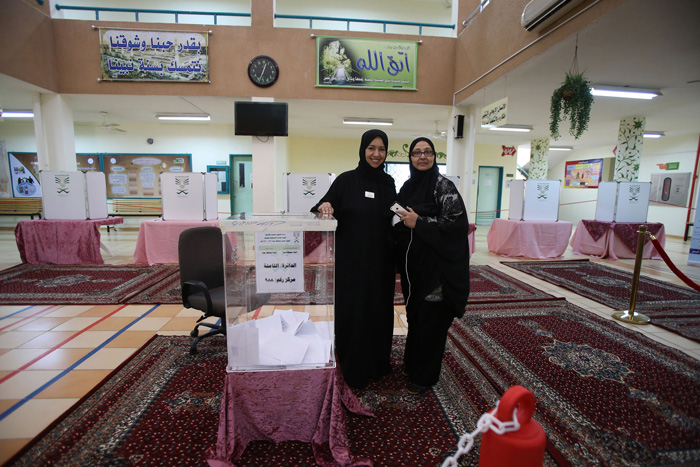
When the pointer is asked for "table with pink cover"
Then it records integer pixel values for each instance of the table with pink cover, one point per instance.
(42, 241)
(529, 239)
(158, 239)
(295, 405)
(471, 240)
(615, 240)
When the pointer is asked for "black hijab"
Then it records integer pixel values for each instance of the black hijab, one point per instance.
(418, 191)
(367, 170)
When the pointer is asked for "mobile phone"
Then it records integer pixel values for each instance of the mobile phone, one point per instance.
(397, 207)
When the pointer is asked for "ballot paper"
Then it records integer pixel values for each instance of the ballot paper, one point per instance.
(286, 338)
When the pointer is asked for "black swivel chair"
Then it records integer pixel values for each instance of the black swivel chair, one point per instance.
(201, 256)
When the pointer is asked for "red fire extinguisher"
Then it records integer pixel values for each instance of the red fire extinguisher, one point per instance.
(523, 447)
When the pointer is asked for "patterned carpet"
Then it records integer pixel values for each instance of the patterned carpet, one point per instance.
(60, 284)
(605, 395)
(670, 306)
(161, 408)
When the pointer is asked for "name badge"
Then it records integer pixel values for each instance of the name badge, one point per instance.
(369, 194)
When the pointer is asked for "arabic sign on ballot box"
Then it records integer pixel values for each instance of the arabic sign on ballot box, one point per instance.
(366, 63)
(140, 55)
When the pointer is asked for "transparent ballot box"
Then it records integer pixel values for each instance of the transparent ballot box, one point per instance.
(280, 299)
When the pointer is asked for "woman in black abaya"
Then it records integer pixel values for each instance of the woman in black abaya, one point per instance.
(433, 258)
(364, 273)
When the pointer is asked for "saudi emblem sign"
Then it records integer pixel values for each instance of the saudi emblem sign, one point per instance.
(349, 62)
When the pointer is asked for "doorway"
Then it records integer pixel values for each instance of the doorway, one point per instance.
(488, 195)
(241, 182)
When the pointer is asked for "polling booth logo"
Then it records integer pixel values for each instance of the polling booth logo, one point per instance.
(62, 185)
(634, 191)
(542, 189)
(181, 186)
(309, 184)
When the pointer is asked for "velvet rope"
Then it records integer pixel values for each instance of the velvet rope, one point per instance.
(673, 267)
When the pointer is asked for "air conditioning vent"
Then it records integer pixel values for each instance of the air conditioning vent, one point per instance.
(540, 13)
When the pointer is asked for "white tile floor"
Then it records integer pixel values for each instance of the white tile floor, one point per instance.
(49, 359)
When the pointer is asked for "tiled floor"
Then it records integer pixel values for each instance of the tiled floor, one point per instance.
(51, 356)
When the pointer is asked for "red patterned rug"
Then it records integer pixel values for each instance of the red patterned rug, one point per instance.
(487, 285)
(59, 284)
(606, 395)
(162, 407)
(670, 306)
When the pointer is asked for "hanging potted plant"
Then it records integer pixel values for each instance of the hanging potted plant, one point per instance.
(573, 100)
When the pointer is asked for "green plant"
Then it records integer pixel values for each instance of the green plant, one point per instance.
(573, 100)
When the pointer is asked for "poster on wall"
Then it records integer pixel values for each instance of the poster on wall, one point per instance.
(88, 162)
(352, 62)
(583, 174)
(137, 175)
(142, 55)
(24, 174)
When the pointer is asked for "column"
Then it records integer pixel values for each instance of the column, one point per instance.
(630, 139)
(54, 132)
(539, 159)
(460, 152)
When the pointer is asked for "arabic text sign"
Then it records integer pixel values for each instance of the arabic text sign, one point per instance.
(366, 63)
(495, 114)
(139, 55)
(279, 261)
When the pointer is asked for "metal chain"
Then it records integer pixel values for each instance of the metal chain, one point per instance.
(487, 420)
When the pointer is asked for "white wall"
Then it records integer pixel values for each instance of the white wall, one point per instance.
(577, 204)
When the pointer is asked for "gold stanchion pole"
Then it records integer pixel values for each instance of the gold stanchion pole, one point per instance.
(629, 316)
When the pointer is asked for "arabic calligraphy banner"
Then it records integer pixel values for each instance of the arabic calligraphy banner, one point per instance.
(349, 62)
(139, 55)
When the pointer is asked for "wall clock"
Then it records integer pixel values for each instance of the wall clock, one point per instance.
(263, 71)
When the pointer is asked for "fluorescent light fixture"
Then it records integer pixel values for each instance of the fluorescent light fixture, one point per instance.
(509, 127)
(16, 114)
(184, 117)
(624, 92)
(561, 148)
(654, 134)
(368, 121)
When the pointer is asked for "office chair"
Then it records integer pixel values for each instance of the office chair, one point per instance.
(201, 257)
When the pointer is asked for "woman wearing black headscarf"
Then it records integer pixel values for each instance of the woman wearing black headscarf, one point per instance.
(433, 258)
(364, 273)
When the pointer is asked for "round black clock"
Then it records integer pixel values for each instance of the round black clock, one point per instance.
(263, 71)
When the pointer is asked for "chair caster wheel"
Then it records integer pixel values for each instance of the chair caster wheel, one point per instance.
(194, 332)
(193, 350)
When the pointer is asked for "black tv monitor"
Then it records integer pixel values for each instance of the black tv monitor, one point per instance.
(260, 118)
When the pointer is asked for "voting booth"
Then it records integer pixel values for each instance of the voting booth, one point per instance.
(623, 201)
(73, 195)
(189, 196)
(279, 309)
(534, 200)
(304, 190)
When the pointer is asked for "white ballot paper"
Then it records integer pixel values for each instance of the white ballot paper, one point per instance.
(286, 338)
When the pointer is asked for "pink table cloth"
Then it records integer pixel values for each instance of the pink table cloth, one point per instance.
(157, 240)
(613, 240)
(299, 405)
(472, 241)
(42, 241)
(529, 239)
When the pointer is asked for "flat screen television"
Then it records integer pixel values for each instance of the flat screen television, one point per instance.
(260, 118)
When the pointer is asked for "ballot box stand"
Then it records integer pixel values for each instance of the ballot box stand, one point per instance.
(279, 310)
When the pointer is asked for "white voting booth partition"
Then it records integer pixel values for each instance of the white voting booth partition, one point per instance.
(534, 200)
(623, 201)
(304, 190)
(73, 195)
(189, 196)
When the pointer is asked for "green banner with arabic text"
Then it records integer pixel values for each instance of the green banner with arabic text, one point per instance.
(350, 62)
(139, 55)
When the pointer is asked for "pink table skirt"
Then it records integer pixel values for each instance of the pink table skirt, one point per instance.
(470, 238)
(44, 241)
(609, 245)
(157, 240)
(299, 405)
(529, 239)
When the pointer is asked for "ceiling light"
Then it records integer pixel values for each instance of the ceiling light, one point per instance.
(561, 148)
(654, 134)
(184, 117)
(367, 121)
(16, 114)
(509, 127)
(624, 92)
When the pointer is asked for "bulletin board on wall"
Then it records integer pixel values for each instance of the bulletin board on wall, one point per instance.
(88, 162)
(137, 175)
(583, 174)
